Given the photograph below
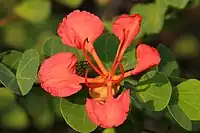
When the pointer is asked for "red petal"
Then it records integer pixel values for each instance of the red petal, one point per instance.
(112, 113)
(58, 75)
(146, 57)
(127, 26)
(79, 25)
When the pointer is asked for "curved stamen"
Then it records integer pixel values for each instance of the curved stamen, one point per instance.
(93, 85)
(88, 59)
(118, 55)
(121, 76)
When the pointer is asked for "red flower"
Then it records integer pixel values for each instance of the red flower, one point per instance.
(78, 26)
(146, 57)
(111, 113)
(58, 75)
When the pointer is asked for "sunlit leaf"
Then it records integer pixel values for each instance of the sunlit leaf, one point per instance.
(189, 98)
(27, 70)
(154, 90)
(181, 118)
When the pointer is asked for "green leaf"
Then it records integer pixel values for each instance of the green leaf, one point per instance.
(75, 115)
(106, 46)
(129, 59)
(189, 98)
(15, 118)
(7, 78)
(11, 59)
(33, 10)
(27, 70)
(153, 16)
(71, 3)
(38, 108)
(180, 117)
(177, 3)
(7, 98)
(54, 45)
(155, 90)
(168, 64)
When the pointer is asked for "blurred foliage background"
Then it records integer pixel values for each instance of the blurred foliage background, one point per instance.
(28, 24)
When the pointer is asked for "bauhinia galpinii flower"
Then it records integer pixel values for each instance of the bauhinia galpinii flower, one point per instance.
(58, 76)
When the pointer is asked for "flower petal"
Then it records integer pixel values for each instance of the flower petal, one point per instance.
(127, 27)
(146, 57)
(58, 75)
(79, 25)
(111, 113)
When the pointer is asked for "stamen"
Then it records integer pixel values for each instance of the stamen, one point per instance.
(118, 55)
(121, 76)
(109, 87)
(88, 59)
(93, 85)
(92, 51)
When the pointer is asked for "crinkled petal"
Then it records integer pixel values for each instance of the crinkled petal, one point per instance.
(146, 57)
(79, 25)
(111, 113)
(127, 27)
(58, 75)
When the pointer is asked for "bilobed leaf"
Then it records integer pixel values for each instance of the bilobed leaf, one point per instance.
(7, 78)
(180, 117)
(189, 98)
(75, 115)
(71, 3)
(33, 10)
(106, 46)
(27, 70)
(155, 90)
(152, 16)
(11, 59)
(177, 3)
(168, 64)
(54, 45)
